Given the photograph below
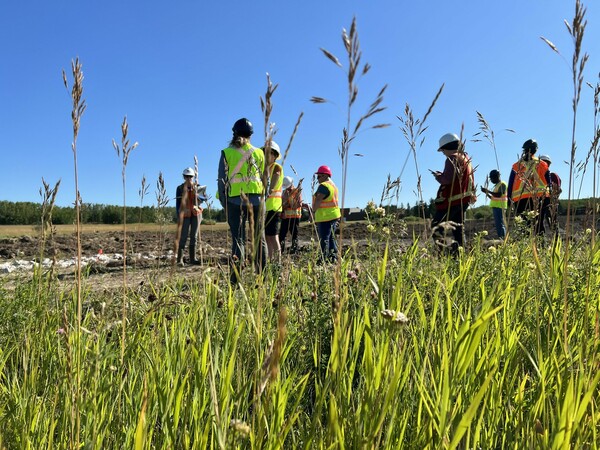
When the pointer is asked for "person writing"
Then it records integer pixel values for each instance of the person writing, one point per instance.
(189, 216)
(456, 191)
(498, 202)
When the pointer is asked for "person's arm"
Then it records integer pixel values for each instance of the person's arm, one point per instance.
(447, 175)
(511, 180)
(222, 180)
(274, 178)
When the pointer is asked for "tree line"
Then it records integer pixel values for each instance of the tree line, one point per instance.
(29, 213)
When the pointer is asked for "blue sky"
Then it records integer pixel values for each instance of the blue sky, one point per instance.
(184, 71)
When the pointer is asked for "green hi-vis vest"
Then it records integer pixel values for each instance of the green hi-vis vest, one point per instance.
(329, 209)
(274, 199)
(499, 202)
(244, 170)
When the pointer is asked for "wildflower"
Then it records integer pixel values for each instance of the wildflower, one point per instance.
(240, 427)
(61, 331)
(588, 231)
(373, 294)
(352, 275)
(395, 316)
(531, 266)
(519, 220)
(370, 228)
(492, 249)
(386, 230)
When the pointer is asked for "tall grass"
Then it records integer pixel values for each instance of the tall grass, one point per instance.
(123, 152)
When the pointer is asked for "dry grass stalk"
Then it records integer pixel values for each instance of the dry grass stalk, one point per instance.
(413, 131)
(123, 152)
(270, 365)
(162, 200)
(48, 195)
(579, 59)
(352, 74)
(78, 108)
(391, 189)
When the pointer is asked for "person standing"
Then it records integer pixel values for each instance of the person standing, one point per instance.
(292, 212)
(189, 215)
(498, 202)
(240, 192)
(456, 191)
(529, 187)
(326, 213)
(273, 204)
(556, 190)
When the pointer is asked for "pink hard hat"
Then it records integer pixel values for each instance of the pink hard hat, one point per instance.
(324, 170)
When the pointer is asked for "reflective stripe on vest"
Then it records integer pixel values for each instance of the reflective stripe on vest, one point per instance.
(461, 174)
(328, 209)
(292, 204)
(244, 170)
(499, 202)
(529, 179)
(274, 199)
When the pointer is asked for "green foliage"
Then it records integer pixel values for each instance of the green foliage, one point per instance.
(482, 362)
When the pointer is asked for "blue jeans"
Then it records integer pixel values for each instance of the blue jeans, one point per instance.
(327, 239)
(499, 222)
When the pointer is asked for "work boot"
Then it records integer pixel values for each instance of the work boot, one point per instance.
(294, 248)
(193, 259)
(180, 258)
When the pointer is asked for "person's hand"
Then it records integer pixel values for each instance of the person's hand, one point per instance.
(484, 190)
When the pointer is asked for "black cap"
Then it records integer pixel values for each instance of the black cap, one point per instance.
(243, 128)
(530, 144)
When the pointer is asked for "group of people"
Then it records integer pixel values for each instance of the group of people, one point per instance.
(531, 188)
(246, 176)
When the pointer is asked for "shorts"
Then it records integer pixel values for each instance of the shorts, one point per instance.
(272, 223)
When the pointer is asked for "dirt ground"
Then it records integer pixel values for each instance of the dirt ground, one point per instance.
(150, 250)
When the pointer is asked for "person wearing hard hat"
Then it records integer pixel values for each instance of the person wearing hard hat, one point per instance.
(529, 187)
(455, 194)
(240, 191)
(326, 213)
(498, 202)
(292, 212)
(556, 190)
(189, 215)
(273, 204)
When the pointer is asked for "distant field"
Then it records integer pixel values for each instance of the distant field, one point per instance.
(31, 230)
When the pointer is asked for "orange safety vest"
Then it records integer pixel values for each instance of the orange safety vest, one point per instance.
(530, 179)
(292, 203)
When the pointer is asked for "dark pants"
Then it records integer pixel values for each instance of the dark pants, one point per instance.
(326, 232)
(292, 226)
(454, 214)
(540, 205)
(189, 227)
(236, 218)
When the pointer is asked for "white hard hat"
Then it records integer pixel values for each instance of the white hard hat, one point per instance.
(275, 148)
(287, 182)
(189, 172)
(447, 139)
(546, 158)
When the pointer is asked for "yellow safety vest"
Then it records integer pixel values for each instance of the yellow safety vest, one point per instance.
(244, 170)
(274, 199)
(328, 209)
(499, 202)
